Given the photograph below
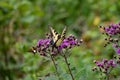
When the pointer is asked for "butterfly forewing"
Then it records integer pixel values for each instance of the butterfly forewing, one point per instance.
(54, 34)
(63, 33)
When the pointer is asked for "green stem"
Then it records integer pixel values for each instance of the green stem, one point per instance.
(55, 66)
(68, 65)
(107, 76)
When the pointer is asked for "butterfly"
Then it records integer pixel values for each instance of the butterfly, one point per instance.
(57, 38)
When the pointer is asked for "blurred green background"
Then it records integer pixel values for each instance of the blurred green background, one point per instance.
(23, 22)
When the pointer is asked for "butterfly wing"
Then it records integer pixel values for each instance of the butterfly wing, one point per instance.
(62, 36)
(57, 38)
(54, 35)
(63, 33)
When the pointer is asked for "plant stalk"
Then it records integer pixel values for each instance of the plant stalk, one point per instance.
(107, 76)
(68, 65)
(55, 66)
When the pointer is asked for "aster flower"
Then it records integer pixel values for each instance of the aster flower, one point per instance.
(113, 29)
(111, 63)
(44, 45)
(118, 50)
(69, 42)
(112, 35)
(106, 66)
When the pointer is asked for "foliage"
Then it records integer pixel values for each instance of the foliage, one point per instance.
(23, 22)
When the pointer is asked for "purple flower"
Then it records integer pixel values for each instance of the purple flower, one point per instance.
(44, 45)
(99, 64)
(118, 50)
(112, 29)
(69, 42)
(114, 65)
(44, 42)
(104, 60)
(112, 32)
(105, 65)
(110, 62)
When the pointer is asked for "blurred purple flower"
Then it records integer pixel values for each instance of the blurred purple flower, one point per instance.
(99, 64)
(104, 60)
(112, 29)
(113, 33)
(110, 62)
(114, 65)
(118, 50)
(105, 65)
